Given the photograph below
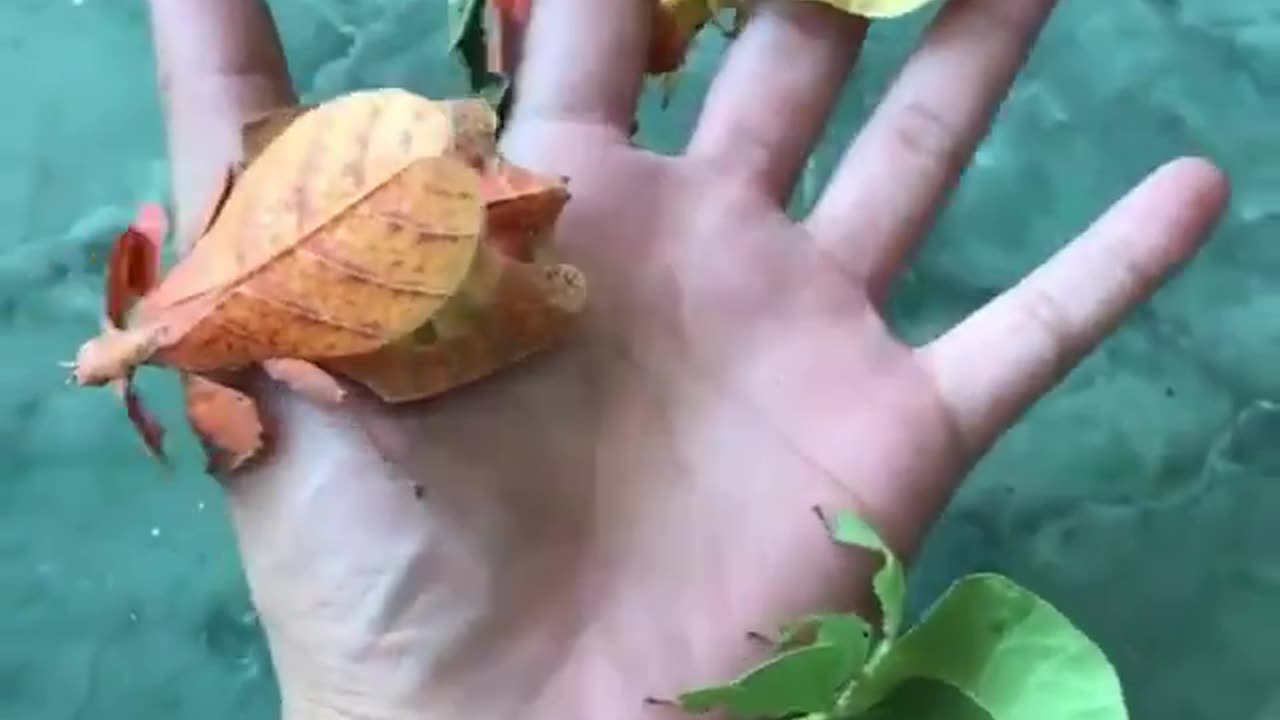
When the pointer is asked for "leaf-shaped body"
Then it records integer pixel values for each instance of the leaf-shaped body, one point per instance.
(521, 310)
(379, 236)
(876, 9)
(803, 680)
(1010, 651)
(521, 209)
(804, 677)
(354, 225)
(516, 301)
(889, 582)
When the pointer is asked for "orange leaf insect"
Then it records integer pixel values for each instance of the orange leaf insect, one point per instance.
(378, 237)
(675, 23)
(132, 268)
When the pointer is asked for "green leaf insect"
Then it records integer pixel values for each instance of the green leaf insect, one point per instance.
(988, 649)
(845, 630)
(889, 582)
(924, 699)
(1009, 651)
(808, 680)
(801, 679)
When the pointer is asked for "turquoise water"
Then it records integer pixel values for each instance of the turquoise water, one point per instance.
(1140, 497)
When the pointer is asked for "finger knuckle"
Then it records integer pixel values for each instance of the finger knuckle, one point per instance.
(926, 137)
(1045, 317)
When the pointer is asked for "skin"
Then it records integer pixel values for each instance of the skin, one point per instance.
(607, 523)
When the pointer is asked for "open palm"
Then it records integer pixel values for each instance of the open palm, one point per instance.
(609, 521)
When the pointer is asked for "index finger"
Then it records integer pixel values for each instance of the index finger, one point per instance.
(219, 64)
(992, 366)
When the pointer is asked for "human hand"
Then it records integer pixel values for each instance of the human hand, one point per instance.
(607, 522)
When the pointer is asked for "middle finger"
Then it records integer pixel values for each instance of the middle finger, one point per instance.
(768, 104)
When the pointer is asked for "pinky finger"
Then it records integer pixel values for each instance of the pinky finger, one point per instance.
(992, 366)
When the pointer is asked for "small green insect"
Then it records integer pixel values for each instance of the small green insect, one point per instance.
(798, 680)
(1008, 653)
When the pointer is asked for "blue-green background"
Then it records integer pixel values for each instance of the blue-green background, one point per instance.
(1141, 497)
